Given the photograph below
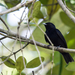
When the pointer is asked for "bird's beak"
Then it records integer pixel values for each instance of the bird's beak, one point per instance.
(44, 24)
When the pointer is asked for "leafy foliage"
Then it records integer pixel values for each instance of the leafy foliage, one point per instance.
(68, 21)
(71, 66)
(21, 73)
(20, 63)
(51, 9)
(8, 62)
(35, 10)
(44, 1)
(34, 63)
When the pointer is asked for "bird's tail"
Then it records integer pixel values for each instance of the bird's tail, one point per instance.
(67, 57)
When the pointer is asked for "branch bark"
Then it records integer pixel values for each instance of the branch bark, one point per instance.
(12, 35)
(16, 7)
(66, 10)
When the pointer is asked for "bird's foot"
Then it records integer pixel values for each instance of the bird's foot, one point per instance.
(58, 46)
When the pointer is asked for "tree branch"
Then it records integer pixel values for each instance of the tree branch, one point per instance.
(3, 38)
(16, 7)
(13, 53)
(23, 39)
(4, 23)
(66, 10)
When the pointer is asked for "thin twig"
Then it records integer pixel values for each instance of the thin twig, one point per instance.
(33, 37)
(51, 12)
(20, 49)
(13, 54)
(5, 46)
(3, 38)
(36, 47)
(13, 46)
(22, 16)
(4, 23)
(51, 45)
(33, 72)
(1, 73)
(18, 28)
(45, 35)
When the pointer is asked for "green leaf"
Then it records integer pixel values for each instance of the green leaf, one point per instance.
(34, 63)
(35, 10)
(66, 20)
(70, 35)
(39, 14)
(11, 3)
(71, 66)
(10, 63)
(55, 70)
(51, 9)
(20, 63)
(70, 38)
(44, 1)
(20, 74)
(56, 56)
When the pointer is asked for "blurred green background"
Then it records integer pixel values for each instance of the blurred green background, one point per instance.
(43, 11)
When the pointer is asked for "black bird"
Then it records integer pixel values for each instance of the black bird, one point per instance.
(57, 39)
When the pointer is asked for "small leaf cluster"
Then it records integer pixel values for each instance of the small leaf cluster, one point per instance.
(21, 62)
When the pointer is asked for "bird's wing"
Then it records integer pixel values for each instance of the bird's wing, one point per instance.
(61, 36)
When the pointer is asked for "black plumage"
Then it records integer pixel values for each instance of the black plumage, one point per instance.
(57, 39)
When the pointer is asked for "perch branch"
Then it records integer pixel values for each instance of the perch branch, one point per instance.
(23, 39)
